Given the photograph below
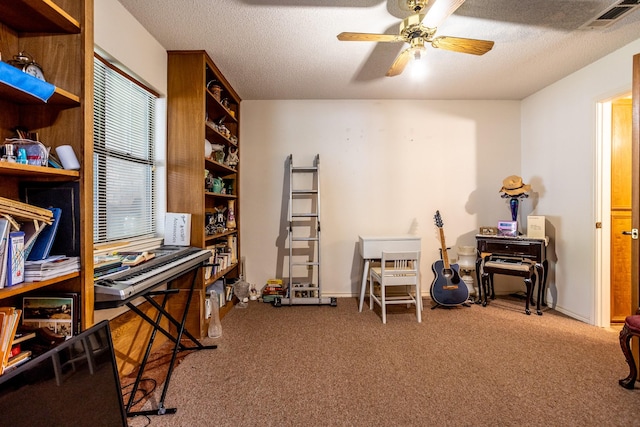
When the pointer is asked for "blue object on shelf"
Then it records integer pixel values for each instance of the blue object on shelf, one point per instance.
(44, 241)
(24, 82)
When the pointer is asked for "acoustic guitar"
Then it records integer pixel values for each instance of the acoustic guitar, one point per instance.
(447, 288)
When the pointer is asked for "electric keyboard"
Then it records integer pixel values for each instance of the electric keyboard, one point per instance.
(169, 263)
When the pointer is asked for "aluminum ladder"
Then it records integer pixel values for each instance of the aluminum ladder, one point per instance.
(304, 285)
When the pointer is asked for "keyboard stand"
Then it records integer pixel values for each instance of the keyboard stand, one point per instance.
(181, 330)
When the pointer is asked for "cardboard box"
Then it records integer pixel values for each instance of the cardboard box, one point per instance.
(177, 229)
(536, 226)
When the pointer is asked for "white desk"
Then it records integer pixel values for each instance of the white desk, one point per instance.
(371, 248)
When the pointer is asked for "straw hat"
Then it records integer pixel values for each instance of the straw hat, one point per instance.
(513, 186)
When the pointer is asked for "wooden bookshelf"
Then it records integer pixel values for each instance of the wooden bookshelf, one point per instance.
(58, 35)
(194, 109)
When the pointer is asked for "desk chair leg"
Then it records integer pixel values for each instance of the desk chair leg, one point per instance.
(418, 303)
(625, 345)
(384, 303)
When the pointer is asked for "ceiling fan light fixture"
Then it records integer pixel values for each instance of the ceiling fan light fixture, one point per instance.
(413, 5)
(419, 67)
(419, 28)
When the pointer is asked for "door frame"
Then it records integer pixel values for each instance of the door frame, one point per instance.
(602, 295)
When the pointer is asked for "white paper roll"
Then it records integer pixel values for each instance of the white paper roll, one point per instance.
(67, 157)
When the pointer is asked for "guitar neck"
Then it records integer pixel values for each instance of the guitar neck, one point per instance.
(445, 255)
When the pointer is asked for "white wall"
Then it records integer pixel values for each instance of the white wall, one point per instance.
(559, 154)
(386, 167)
(126, 41)
(123, 40)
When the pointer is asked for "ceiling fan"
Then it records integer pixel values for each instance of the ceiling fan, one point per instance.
(420, 28)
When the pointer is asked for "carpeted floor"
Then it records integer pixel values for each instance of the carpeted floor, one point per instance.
(334, 366)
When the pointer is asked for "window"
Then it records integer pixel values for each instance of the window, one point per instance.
(123, 159)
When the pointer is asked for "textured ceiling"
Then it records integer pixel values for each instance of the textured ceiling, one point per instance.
(287, 49)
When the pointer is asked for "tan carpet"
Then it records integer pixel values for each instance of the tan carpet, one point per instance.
(333, 366)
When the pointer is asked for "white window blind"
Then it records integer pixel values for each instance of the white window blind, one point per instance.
(123, 160)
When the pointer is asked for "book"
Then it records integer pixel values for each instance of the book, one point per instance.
(59, 312)
(134, 259)
(106, 262)
(54, 266)
(536, 226)
(32, 229)
(4, 249)
(23, 211)
(22, 336)
(23, 356)
(15, 258)
(9, 328)
(44, 241)
(65, 196)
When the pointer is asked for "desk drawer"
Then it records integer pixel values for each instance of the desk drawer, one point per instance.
(529, 250)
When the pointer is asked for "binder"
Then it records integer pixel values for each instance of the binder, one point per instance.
(4, 250)
(44, 241)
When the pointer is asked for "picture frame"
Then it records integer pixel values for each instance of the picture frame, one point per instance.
(58, 313)
(488, 231)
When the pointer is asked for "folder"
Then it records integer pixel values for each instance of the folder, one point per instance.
(15, 258)
(44, 241)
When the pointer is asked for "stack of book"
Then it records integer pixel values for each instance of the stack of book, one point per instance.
(9, 319)
(26, 232)
(272, 290)
(54, 266)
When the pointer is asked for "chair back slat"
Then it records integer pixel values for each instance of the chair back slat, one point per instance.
(400, 263)
(399, 269)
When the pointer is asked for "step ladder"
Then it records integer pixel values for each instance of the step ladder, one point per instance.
(303, 286)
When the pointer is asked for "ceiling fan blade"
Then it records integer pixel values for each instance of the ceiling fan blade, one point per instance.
(459, 44)
(440, 11)
(400, 63)
(367, 37)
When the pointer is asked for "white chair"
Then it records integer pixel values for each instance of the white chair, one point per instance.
(397, 269)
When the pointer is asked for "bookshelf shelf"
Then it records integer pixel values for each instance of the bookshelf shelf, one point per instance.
(219, 167)
(44, 16)
(38, 172)
(213, 135)
(218, 236)
(224, 196)
(60, 97)
(32, 286)
(220, 274)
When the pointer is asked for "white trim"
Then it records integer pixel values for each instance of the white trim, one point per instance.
(602, 175)
(602, 265)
